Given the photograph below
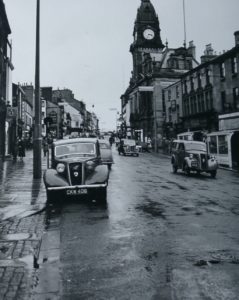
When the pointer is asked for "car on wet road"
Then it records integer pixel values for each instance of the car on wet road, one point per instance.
(192, 156)
(76, 170)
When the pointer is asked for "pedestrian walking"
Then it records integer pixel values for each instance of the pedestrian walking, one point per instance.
(21, 149)
(45, 146)
(15, 151)
(121, 147)
(149, 144)
(111, 140)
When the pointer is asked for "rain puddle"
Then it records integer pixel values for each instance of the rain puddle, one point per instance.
(153, 208)
(181, 187)
(151, 256)
(21, 211)
(6, 249)
(219, 257)
(29, 261)
(18, 237)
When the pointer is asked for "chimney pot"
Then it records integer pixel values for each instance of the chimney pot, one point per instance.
(236, 34)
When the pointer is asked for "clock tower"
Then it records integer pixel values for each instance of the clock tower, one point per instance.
(146, 35)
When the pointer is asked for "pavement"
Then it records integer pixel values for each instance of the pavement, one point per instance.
(22, 226)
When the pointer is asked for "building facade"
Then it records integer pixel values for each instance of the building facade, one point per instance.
(155, 67)
(209, 102)
(4, 76)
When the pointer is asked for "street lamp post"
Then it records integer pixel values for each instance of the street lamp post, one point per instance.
(37, 140)
(155, 124)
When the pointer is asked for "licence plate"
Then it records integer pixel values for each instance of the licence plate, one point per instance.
(76, 192)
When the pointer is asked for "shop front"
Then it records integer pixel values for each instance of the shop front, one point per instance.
(224, 145)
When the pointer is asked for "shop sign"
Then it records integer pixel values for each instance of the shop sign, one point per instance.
(11, 113)
(53, 116)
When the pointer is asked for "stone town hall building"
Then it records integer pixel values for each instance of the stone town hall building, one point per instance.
(155, 66)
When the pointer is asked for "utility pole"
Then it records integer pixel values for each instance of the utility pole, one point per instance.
(155, 124)
(37, 140)
(184, 23)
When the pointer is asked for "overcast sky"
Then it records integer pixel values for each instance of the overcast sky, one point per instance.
(85, 43)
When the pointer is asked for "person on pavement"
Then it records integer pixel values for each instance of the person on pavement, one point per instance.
(21, 149)
(121, 147)
(45, 146)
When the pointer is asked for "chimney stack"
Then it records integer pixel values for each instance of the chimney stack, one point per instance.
(236, 33)
(209, 54)
(192, 49)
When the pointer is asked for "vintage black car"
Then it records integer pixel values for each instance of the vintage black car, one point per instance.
(192, 156)
(76, 170)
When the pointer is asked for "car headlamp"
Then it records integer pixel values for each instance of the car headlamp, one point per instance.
(90, 165)
(60, 168)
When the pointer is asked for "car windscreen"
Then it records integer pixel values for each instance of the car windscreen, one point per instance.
(195, 147)
(75, 148)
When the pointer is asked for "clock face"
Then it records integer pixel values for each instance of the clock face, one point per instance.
(148, 34)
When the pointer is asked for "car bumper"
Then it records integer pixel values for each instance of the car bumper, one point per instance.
(75, 187)
(196, 166)
(107, 162)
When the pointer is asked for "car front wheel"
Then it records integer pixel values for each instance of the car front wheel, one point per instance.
(102, 195)
(175, 168)
(213, 173)
(186, 169)
(53, 196)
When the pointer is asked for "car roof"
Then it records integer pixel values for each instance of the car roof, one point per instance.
(75, 140)
(188, 142)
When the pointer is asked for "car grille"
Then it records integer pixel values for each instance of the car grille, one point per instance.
(203, 161)
(75, 173)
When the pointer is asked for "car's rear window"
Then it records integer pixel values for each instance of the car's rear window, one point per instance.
(104, 146)
(75, 148)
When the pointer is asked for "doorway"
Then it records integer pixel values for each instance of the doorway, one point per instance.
(235, 150)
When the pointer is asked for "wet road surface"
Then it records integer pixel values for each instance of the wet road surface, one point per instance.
(161, 236)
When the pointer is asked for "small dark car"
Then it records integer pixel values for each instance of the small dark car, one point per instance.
(127, 147)
(76, 170)
(192, 156)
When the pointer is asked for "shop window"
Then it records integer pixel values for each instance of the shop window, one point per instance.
(213, 145)
(222, 144)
